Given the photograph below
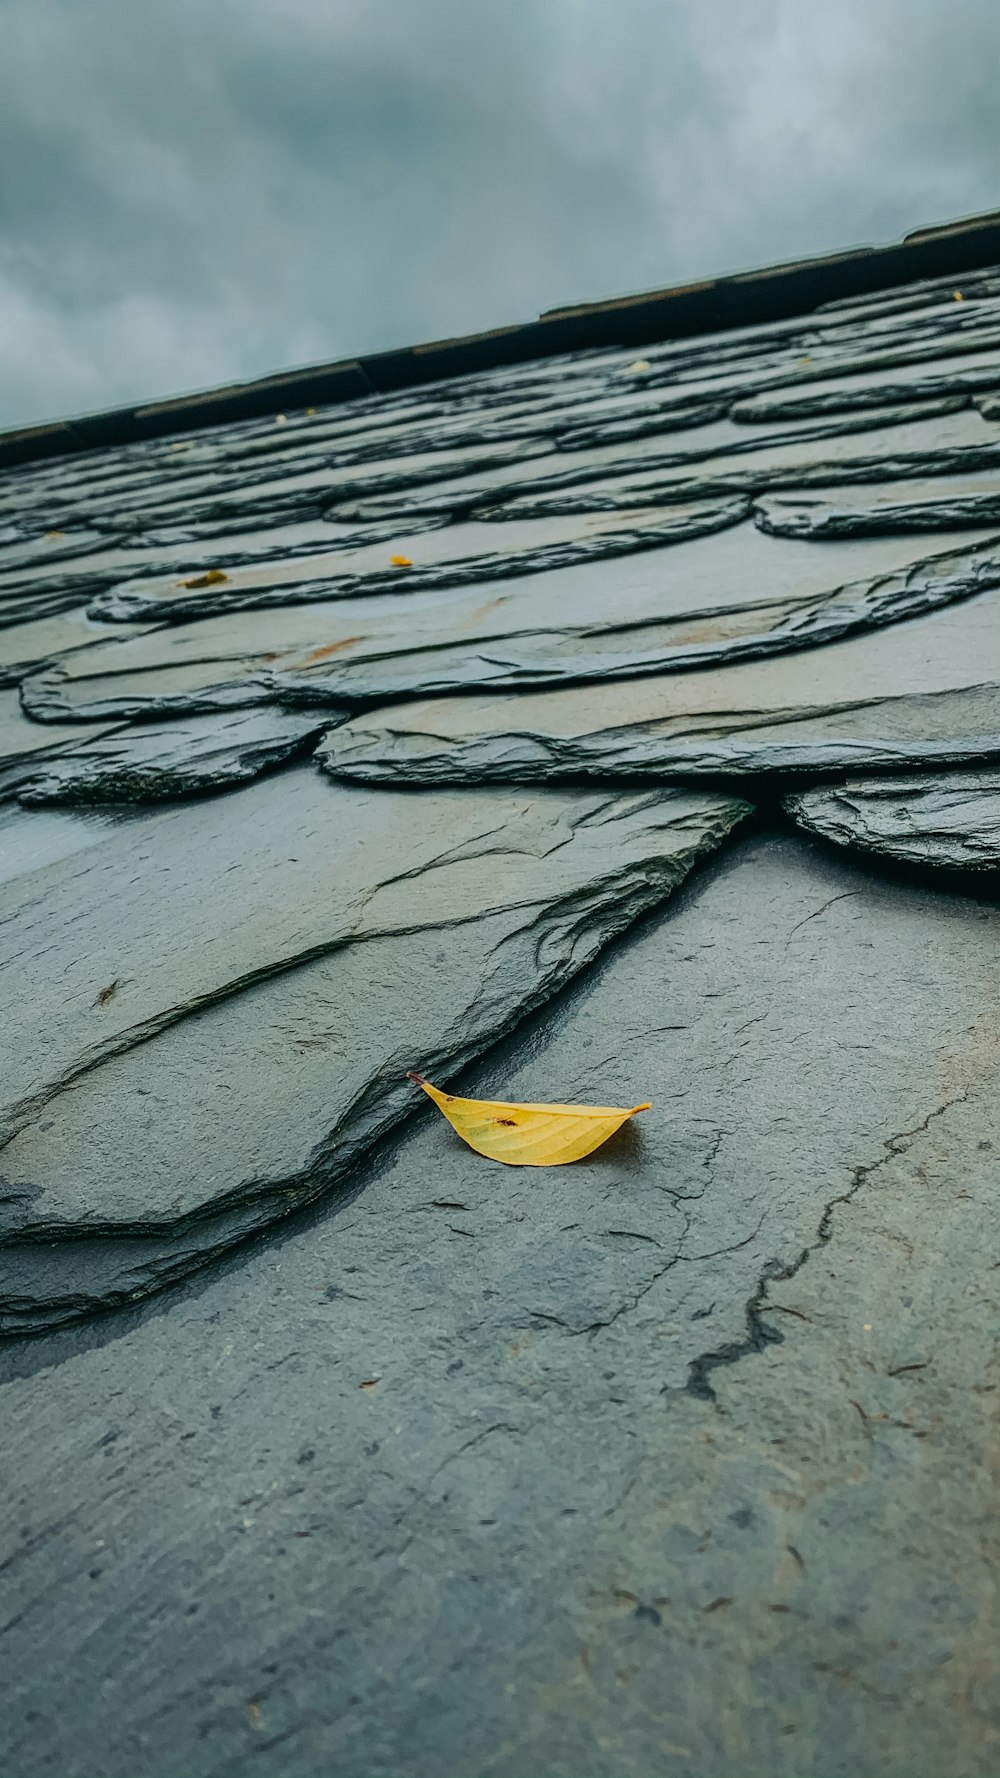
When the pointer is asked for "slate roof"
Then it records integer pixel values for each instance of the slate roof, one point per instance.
(607, 725)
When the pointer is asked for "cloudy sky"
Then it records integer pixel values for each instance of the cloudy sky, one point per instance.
(205, 189)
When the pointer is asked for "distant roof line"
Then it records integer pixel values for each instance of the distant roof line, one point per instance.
(770, 293)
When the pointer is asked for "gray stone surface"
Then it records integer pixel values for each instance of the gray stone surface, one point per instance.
(939, 503)
(210, 1040)
(26, 646)
(677, 1460)
(440, 558)
(964, 375)
(24, 743)
(919, 693)
(878, 446)
(737, 593)
(949, 819)
(158, 762)
(631, 642)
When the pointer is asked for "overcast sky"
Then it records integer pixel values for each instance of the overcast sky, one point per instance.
(198, 190)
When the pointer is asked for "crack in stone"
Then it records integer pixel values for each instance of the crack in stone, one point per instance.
(759, 1335)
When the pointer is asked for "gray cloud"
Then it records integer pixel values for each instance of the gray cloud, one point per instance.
(195, 192)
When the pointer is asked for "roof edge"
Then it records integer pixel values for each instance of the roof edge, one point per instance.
(740, 299)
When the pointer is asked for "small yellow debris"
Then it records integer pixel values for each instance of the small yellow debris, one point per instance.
(52, 536)
(280, 419)
(959, 298)
(401, 561)
(641, 364)
(529, 1135)
(868, 1327)
(214, 577)
(310, 410)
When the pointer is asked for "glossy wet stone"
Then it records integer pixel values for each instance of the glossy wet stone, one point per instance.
(637, 642)
(460, 555)
(938, 503)
(24, 743)
(937, 819)
(158, 762)
(919, 693)
(877, 446)
(679, 1454)
(230, 1026)
(969, 374)
(735, 594)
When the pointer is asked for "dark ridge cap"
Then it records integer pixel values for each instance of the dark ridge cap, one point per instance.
(741, 299)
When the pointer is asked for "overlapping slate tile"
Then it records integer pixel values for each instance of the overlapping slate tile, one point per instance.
(448, 1433)
(458, 555)
(737, 594)
(24, 744)
(215, 1024)
(938, 503)
(916, 694)
(156, 762)
(914, 444)
(947, 376)
(936, 819)
(30, 644)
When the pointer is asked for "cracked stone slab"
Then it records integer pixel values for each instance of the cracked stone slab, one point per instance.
(921, 694)
(160, 762)
(446, 1432)
(939, 503)
(459, 555)
(732, 594)
(210, 1041)
(940, 819)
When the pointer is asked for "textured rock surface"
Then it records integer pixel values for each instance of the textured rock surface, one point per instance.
(438, 559)
(211, 1040)
(23, 744)
(677, 1460)
(949, 819)
(158, 762)
(922, 692)
(937, 504)
(738, 593)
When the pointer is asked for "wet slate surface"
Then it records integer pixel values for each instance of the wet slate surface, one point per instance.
(736, 594)
(24, 743)
(234, 1024)
(947, 820)
(677, 1460)
(160, 762)
(920, 693)
(400, 571)
(937, 504)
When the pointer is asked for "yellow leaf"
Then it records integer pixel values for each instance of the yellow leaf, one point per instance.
(401, 561)
(529, 1135)
(959, 298)
(214, 577)
(310, 410)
